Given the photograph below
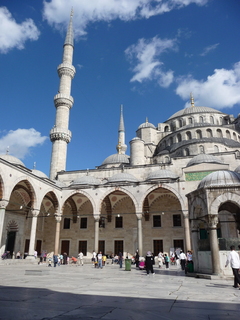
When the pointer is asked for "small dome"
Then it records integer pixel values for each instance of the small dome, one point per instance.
(204, 158)
(237, 169)
(222, 178)
(86, 180)
(123, 177)
(12, 159)
(193, 110)
(116, 158)
(40, 174)
(146, 125)
(161, 174)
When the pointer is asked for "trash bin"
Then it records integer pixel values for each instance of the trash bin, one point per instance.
(127, 264)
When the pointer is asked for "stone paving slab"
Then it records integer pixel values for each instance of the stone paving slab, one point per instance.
(111, 293)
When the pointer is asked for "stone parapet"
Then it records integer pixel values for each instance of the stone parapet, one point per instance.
(60, 134)
(66, 69)
(61, 99)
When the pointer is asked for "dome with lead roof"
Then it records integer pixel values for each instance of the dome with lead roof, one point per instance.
(123, 177)
(12, 159)
(193, 110)
(204, 158)
(237, 169)
(222, 178)
(39, 173)
(86, 180)
(147, 124)
(117, 158)
(162, 174)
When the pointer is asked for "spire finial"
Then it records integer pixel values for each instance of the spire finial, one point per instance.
(69, 36)
(146, 119)
(7, 150)
(34, 165)
(192, 99)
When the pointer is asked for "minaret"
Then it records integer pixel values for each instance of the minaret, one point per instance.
(121, 147)
(60, 135)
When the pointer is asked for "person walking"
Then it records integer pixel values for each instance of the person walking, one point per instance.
(234, 261)
(80, 258)
(167, 260)
(183, 259)
(120, 259)
(100, 260)
(149, 262)
(137, 259)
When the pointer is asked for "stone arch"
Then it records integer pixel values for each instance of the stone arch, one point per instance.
(216, 203)
(80, 192)
(197, 202)
(51, 196)
(12, 226)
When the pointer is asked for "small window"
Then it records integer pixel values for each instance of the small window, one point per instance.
(157, 221)
(82, 247)
(66, 223)
(118, 222)
(83, 223)
(177, 220)
(102, 224)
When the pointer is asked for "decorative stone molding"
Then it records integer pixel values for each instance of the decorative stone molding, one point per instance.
(66, 69)
(34, 213)
(58, 218)
(212, 221)
(3, 204)
(61, 99)
(60, 134)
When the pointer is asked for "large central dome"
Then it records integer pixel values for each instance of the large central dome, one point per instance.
(191, 110)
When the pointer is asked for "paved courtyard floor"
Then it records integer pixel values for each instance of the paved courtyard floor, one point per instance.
(74, 292)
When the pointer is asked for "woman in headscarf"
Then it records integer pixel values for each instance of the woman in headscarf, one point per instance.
(149, 262)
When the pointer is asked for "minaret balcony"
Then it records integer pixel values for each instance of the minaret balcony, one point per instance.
(62, 99)
(60, 134)
(66, 69)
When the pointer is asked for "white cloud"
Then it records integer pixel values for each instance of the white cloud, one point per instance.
(14, 35)
(220, 90)
(20, 142)
(145, 54)
(209, 49)
(57, 12)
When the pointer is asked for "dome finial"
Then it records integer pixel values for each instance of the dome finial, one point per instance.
(146, 119)
(7, 150)
(34, 165)
(192, 99)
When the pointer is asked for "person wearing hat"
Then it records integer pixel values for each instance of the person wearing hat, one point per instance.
(149, 262)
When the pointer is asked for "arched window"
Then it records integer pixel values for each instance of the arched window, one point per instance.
(201, 119)
(209, 133)
(199, 134)
(186, 152)
(219, 133)
(221, 120)
(234, 136)
(179, 137)
(228, 135)
(211, 119)
(216, 149)
(166, 129)
(188, 135)
(180, 123)
(201, 149)
(190, 120)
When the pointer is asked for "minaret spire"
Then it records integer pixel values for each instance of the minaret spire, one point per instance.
(60, 135)
(121, 147)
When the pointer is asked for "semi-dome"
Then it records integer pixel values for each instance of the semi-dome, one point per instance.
(161, 174)
(123, 177)
(12, 159)
(86, 180)
(222, 178)
(192, 110)
(204, 158)
(116, 158)
(39, 173)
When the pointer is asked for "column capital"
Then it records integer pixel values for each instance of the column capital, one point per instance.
(212, 221)
(139, 215)
(3, 204)
(58, 217)
(96, 218)
(34, 212)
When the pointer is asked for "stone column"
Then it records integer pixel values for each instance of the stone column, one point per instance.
(3, 205)
(57, 233)
(195, 231)
(96, 234)
(212, 228)
(33, 234)
(139, 232)
(187, 231)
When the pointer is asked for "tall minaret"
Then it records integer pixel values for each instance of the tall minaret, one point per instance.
(60, 135)
(121, 147)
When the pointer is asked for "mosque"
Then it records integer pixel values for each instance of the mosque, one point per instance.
(179, 188)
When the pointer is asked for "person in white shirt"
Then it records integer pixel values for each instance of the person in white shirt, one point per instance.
(234, 261)
(80, 258)
(183, 259)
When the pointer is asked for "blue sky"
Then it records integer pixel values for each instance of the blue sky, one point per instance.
(147, 55)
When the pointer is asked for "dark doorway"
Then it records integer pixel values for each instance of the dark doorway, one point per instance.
(65, 246)
(39, 247)
(82, 247)
(118, 246)
(11, 236)
(101, 246)
(157, 246)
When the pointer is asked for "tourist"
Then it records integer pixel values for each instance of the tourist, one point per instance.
(160, 259)
(137, 259)
(99, 256)
(234, 261)
(80, 258)
(120, 259)
(183, 259)
(167, 260)
(149, 262)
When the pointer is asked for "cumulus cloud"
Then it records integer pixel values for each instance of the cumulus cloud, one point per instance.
(20, 141)
(14, 35)
(209, 49)
(145, 55)
(220, 90)
(56, 12)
